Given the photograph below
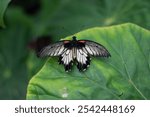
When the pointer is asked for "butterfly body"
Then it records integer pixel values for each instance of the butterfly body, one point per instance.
(75, 51)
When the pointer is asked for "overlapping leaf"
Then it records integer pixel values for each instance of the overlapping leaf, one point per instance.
(126, 75)
(3, 6)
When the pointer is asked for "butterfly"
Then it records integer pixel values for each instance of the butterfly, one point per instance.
(75, 51)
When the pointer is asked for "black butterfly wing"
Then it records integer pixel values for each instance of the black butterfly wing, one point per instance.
(55, 49)
(95, 49)
(87, 48)
(59, 49)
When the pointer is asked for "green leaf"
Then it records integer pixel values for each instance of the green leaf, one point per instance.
(126, 75)
(3, 6)
(14, 70)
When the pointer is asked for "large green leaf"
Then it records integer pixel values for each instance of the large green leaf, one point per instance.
(126, 75)
(3, 6)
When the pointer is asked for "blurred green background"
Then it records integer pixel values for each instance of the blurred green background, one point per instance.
(28, 21)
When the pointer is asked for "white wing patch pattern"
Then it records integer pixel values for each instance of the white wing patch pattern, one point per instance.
(81, 56)
(67, 57)
(83, 60)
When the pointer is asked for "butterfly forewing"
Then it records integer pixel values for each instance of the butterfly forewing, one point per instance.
(95, 49)
(53, 50)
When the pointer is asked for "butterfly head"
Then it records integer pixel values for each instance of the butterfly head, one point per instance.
(74, 38)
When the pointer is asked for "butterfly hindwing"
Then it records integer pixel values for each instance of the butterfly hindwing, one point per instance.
(83, 60)
(66, 59)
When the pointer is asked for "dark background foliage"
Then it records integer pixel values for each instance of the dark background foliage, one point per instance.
(32, 24)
